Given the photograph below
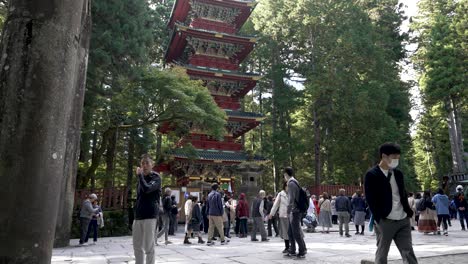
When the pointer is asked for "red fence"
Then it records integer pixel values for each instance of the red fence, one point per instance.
(334, 189)
(113, 198)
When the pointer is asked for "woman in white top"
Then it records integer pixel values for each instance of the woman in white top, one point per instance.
(281, 205)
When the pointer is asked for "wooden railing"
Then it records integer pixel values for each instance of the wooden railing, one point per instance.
(334, 189)
(113, 198)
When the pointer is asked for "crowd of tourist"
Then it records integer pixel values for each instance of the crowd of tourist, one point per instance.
(218, 216)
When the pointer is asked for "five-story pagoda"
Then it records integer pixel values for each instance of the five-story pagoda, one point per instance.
(204, 41)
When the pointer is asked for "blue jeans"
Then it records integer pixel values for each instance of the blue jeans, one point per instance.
(92, 225)
(243, 227)
(463, 215)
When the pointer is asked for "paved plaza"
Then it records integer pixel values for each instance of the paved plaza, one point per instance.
(322, 248)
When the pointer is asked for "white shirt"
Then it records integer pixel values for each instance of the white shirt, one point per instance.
(397, 212)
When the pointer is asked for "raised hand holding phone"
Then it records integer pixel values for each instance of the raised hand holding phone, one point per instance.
(139, 171)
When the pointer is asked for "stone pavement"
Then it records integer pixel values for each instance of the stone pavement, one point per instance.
(322, 248)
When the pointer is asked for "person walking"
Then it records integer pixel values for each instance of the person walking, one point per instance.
(416, 201)
(173, 216)
(195, 220)
(228, 211)
(427, 216)
(333, 211)
(387, 198)
(214, 208)
(258, 216)
(462, 207)
(295, 215)
(281, 206)
(412, 204)
(358, 204)
(146, 211)
(441, 203)
(325, 216)
(273, 221)
(343, 209)
(242, 211)
(188, 216)
(165, 216)
(86, 214)
(96, 221)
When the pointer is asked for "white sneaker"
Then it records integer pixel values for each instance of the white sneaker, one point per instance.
(84, 244)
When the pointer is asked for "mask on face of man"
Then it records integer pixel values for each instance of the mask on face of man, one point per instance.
(394, 163)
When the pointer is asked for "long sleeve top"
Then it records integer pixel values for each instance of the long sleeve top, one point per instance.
(343, 204)
(281, 204)
(214, 204)
(148, 193)
(87, 210)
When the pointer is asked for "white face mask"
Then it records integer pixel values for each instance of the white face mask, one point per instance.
(394, 163)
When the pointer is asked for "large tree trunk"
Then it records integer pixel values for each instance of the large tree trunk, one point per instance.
(318, 162)
(456, 144)
(44, 53)
(110, 157)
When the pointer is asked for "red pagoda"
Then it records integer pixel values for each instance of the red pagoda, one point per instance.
(204, 41)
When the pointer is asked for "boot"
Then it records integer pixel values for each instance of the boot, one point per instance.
(200, 241)
(186, 241)
(286, 247)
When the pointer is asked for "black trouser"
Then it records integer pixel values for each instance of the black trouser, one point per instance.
(463, 215)
(243, 230)
(84, 224)
(335, 219)
(227, 230)
(273, 221)
(443, 218)
(92, 225)
(172, 223)
(237, 227)
(295, 233)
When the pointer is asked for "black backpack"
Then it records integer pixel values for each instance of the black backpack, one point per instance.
(421, 206)
(302, 202)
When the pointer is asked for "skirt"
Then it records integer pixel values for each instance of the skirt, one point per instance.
(324, 218)
(359, 218)
(283, 227)
(427, 221)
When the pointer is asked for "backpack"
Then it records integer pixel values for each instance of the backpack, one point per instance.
(302, 201)
(421, 206)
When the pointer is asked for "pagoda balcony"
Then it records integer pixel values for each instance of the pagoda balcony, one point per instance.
(188, 42)
(223, 82)
(225, 16)
(214, 156)
(227, 102)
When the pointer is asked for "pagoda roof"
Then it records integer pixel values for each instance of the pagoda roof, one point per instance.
(214, 155)
(181, 9)
(244, 115)
(228, 74)
(179, 42)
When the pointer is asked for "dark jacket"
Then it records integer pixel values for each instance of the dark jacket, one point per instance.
(256, 207)
(243, 207)
(379, 192)
(293, 193)
(148, 194)
(358, 204)
(343, 204)
(460, 200)
(214, 204)
(167, 204)
(268, 205)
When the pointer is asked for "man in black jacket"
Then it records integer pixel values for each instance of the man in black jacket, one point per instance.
(146, 211)
(387, 199)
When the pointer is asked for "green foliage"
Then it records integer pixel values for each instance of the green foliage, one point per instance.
(440, 31)
(348, 54)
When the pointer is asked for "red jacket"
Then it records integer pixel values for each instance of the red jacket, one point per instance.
(242, 207)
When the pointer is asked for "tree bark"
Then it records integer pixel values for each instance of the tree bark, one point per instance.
(318, 163)
(110, 157)
(458, 165)
(44, 55)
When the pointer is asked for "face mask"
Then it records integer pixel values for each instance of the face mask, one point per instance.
(394, 163)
